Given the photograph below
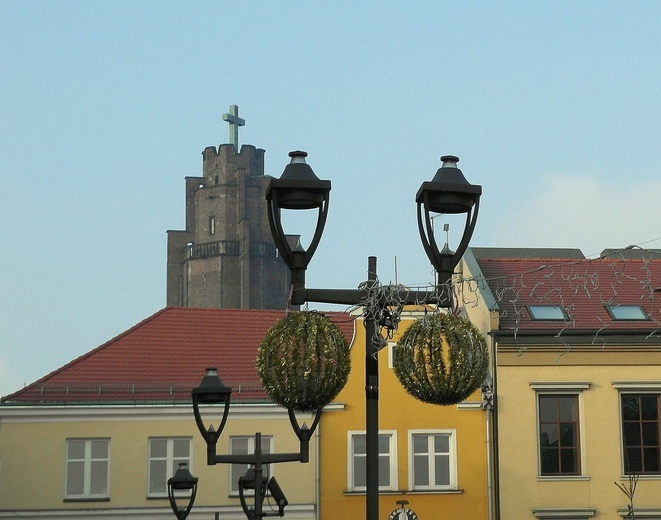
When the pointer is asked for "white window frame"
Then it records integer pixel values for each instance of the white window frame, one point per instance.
(87, 461)
(452, 460)
(573, 388)
(172, 463)
(392, 456)
(267, 468)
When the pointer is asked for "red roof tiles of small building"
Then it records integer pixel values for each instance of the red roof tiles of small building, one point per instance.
(165, 356)
(583, 287)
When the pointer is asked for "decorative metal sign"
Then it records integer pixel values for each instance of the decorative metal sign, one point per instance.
(403, 513)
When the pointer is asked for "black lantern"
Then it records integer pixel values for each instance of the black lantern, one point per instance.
(182, 481)
(298, 188)
(211, 391)
(450, 193)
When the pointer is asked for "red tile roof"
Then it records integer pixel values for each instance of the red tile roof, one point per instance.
(583, 287)
(165, 356)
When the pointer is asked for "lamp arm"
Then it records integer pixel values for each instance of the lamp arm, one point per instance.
(471, 220)
(319, 229)
(278, 233)
(426, 230)
(249, 458)
(210, 435)
(181, 513)
(244, 504)
(304, 434)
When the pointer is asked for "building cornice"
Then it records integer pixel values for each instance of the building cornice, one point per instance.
(141, 412)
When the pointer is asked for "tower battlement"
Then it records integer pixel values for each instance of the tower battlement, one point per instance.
(220, 165)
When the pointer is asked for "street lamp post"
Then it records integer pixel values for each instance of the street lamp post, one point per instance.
(212, 392)
(299, 188)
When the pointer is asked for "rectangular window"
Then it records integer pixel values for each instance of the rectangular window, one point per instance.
(640, 433)
(547, 312)
(244, 446)
(627, 312)
(165, 455)
(87, 468)
(357, 475)
(212, 225)
(559, 451)
(433, 459)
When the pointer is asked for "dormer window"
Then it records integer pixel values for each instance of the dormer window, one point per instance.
(627, 312)
(548, 312)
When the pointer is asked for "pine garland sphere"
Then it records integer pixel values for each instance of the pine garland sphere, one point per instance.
(441, 359)
(303, 361)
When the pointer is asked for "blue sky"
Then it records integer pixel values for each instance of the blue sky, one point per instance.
(553, 107)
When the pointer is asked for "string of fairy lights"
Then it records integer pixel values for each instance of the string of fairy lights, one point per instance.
(567, 284)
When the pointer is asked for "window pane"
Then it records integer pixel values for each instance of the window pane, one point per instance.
(550, 461)
(442, 443)
(651, 460)
(384, 444)
(239, 446)
(548, 409)
(180, 448)
(99, 478)
(547, 312)
(651, 434)
(569, 461)
(421, 470)
(631, 432)
(442, 470)
(633, 460)
(567, 409)
(548, 435)
(359, 472)
(384, 471)
(627, 312)
(157, 476)
(630, 408)
(100, 449)
(75, 478)
(158, 448)
(420, 443)
(359, 444)
(568, 435)
(75, 450)
(237, 471)
(649, 410)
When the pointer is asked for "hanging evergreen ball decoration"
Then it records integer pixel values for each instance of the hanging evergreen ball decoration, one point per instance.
(441, 359)
(303, 361)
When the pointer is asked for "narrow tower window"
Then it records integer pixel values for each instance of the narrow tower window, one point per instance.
(212, 225)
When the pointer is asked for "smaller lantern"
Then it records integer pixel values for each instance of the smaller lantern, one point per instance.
(441, 359)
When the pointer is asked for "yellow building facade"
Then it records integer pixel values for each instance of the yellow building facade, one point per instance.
(126, 478)
(595, 384)
(576, 364)
(433, 457)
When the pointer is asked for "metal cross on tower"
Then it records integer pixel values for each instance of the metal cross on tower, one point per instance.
(235, 122)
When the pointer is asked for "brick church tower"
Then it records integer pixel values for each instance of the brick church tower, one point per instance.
(226, 258)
